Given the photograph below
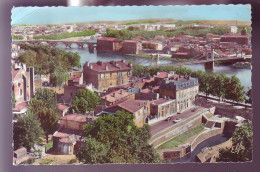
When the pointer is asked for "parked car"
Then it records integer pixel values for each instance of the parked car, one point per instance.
(177, 120)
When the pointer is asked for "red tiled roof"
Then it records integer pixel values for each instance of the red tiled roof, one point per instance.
(156, 88)
(160, 101)
(22, 149)
(20, 106)
(62, 107)
(111, 66)
(75, 78)
(235, 35)
(75, 117)
(110, 39)
(162, 75)
(117, 95)
(146, 90)
(133, 105)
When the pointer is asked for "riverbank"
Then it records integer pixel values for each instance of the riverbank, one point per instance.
(162, 56)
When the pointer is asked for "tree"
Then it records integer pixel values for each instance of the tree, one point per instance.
(29, 57)
(249, 95)
(27, 131)
(47, 97)
(124, 141)
(59, 76)
(234, 90)
(85, 100)
(35, 105)
(13, 100)
(220, 85)
(92, 152)
(242, 145)
(49, 120)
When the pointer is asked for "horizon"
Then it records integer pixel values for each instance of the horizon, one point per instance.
(90, 14)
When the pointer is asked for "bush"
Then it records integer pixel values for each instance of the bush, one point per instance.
(48, 146)
(46, 161)
(72, 161)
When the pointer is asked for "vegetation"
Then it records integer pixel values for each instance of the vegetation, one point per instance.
(27, 131)
(72, 161)
(116, 139)
(13, 100)
(228, 87)
(29, 161)
(85, 100)
(47, 60)
(64, 35)
(181, 139)
(47, 98)
(44, 106)
(242, 64)
(48, 146)
(46, 161)
(242, 146)
(249, 95)
(139, 22)
(17, 36)
(125, 34)
(49, 120)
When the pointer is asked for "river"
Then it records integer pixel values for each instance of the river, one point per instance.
(243, 74)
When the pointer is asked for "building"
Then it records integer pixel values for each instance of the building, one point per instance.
(131, 47)
(182, 88)
(114, 97)
(71, 90)
(62, 109)
(163, 107)
(107, 74)
(233, 29)
(23, 87)
(107, 44)
(21, 155)
(152, 45)
(68, 139)
(140, 109)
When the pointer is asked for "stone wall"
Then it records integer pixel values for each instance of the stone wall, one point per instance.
(176, 130)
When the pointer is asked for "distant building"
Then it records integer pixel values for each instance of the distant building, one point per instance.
(140, 109)
(68, 139)
(233, 29)
(107, 74)
(182, 88)
(131, 47)
(107, 44)
(114, 97)
(21, 155)
(163, 107)
(23, 87)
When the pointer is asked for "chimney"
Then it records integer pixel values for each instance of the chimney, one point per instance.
(106, 68)
(123, 60)
(91, 67)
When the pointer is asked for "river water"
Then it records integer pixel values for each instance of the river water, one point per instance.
(243, 74)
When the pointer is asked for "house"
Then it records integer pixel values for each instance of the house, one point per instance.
(23, 87)
(107, 44)
(68, 139)
(21, 155)
(163, 107)
(152, 45)
(182, 88)
(114, 97)
(140, 109)
(107, 74)
(62, 109)
(131, 47)
(71, 90)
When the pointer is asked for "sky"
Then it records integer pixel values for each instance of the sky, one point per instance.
(58, 15)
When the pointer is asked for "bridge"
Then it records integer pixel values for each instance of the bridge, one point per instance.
(53, 43)
(209, 63)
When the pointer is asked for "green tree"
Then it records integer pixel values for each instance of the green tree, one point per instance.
(234, 90)
(242, 145)
(35, 105)
(29, 57)
(220, 85)
(85, 100)
(124, 141)
(13, 100)
(47, 97)
(59, 76)
(249, 95)
(92, 152)
(49, 120)
(27, 131)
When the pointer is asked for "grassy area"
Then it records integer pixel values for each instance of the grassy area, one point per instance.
(48, 146)
(66, 35)
(46, 161)
(242, 64)
(182, 138)
(17, 36)
(179, 59)
(139, 22)
(141, 55)
(72, 161)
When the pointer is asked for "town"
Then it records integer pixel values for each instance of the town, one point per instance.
(70, 111)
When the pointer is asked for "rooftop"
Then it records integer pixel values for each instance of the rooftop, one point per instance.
(110, 66)
(76, 117)
(117, 95)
